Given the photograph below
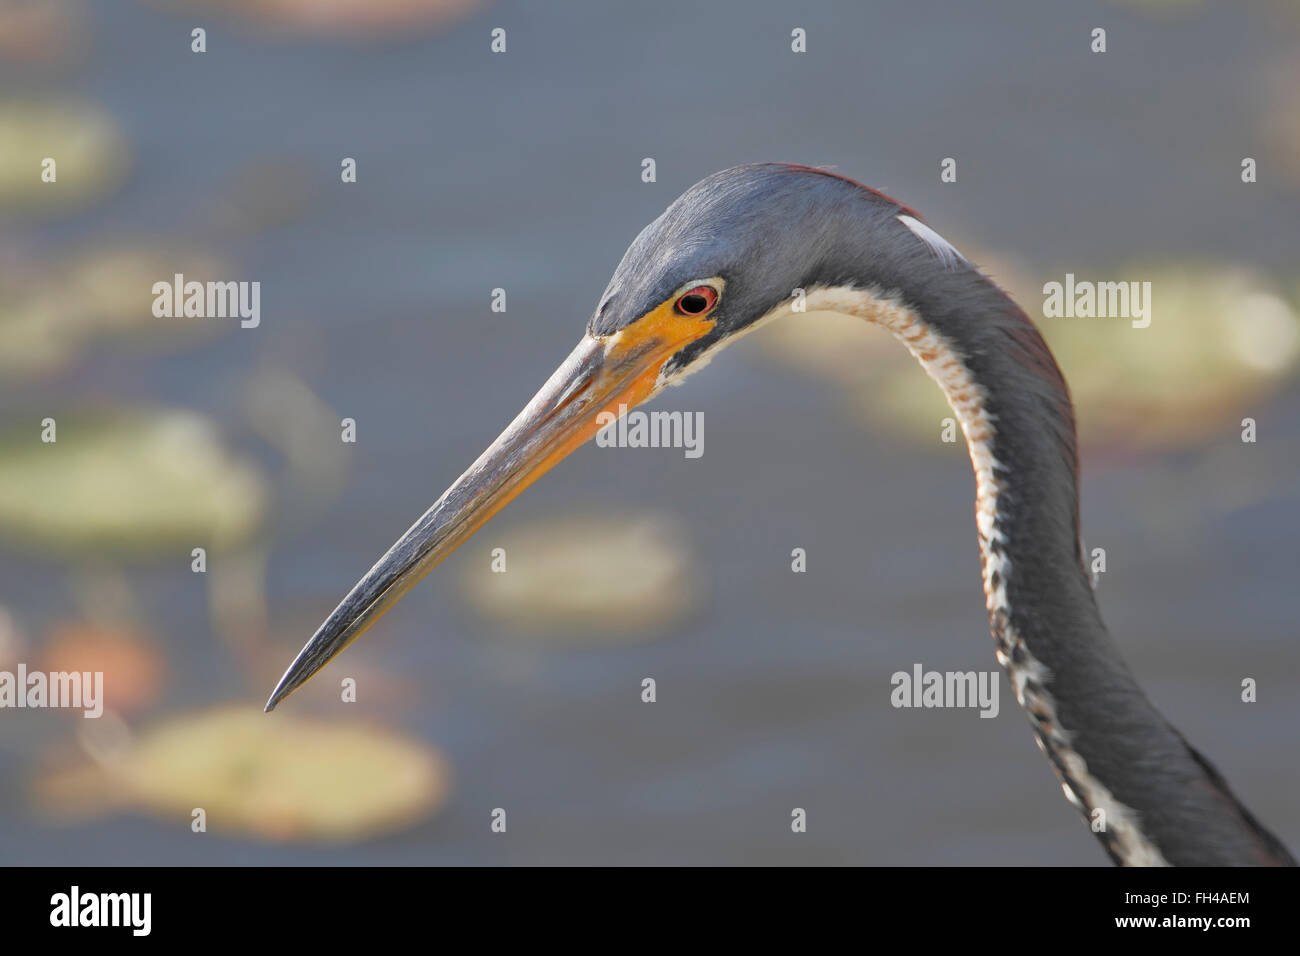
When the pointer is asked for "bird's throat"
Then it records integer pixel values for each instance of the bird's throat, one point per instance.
(946, 362)
(1150, 799)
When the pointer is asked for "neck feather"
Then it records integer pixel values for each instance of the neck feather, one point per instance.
(1149, 798)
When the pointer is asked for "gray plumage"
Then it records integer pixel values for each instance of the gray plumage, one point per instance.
(768, 229)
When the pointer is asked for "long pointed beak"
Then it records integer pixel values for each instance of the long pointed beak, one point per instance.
(599, 375)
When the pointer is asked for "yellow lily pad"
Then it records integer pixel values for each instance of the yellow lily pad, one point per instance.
(48, 320)
(136, 481)
(591, 578)
(1221, 339)
(275, 777)
(90, 155)
(35, 338)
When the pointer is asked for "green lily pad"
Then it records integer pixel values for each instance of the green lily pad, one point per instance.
(275, 777)
(90, 153)
(1221, 339)
(137, 481)
(587, 579)
(49, 319)
(35, 338)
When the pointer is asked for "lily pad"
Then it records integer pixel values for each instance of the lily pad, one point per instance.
(589, 578)
(138, 481)
(49, 319)
(1221, 338)
(89, 150)
(275, 777)
(35, 338)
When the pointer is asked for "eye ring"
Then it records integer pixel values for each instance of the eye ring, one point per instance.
(696, 302)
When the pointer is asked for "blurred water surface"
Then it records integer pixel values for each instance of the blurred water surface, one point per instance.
(522, 171)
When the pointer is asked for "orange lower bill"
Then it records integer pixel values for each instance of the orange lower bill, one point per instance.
(607, 375)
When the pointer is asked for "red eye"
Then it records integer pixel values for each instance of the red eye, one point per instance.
(697, 301)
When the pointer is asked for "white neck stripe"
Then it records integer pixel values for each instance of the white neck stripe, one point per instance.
(1029, 677)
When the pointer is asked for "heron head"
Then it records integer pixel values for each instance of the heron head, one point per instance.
(732, 250)
(725, 254)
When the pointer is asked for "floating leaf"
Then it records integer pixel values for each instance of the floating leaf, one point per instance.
(136, 481)
(1220, 339)
(589, 577)
(275, 777)
(36, 338)
(90, 153)
(46, 321)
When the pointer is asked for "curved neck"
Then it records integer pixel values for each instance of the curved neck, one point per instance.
(1149, 797)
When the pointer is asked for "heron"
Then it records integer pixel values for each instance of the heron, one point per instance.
(758, 242)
